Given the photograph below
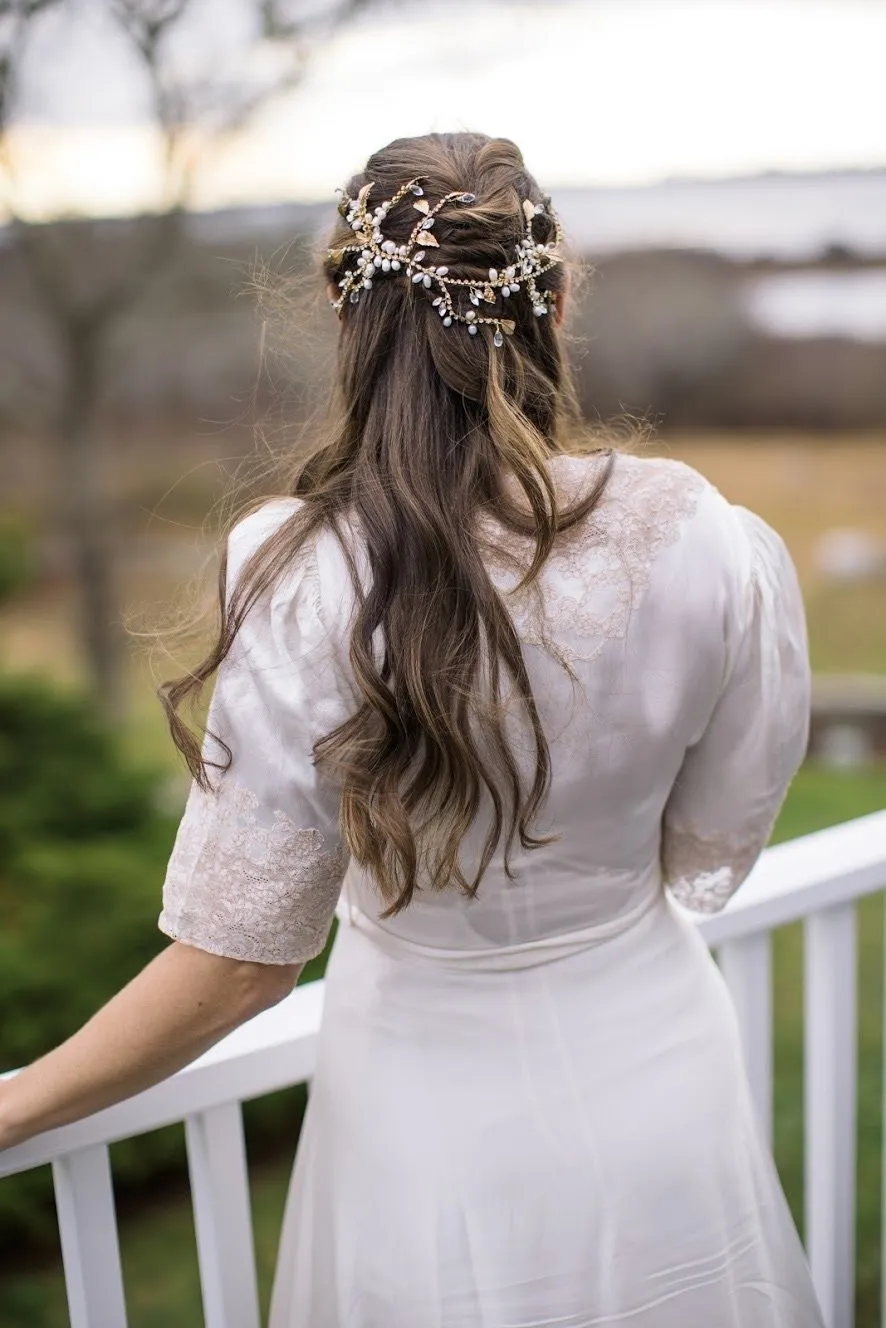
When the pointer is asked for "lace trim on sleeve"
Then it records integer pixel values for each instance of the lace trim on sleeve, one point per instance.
(246, 882)
(704, 870)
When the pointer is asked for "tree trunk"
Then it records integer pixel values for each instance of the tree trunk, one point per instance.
(88, 519)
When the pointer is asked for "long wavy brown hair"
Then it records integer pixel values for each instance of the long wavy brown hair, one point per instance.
(426, 424)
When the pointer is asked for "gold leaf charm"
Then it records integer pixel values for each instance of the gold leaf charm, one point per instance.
(426, 238)
(489, 295)
(422, 205)
(528, 209)
(509, 326)
(336, 256)
(364, 192)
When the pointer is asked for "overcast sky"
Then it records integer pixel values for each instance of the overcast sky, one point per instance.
(598, 91)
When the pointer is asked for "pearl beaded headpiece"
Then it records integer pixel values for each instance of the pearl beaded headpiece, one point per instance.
(378, 256)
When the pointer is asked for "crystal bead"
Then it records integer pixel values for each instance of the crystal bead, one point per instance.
(417, 190)
(498, 339)
(417, 258)
(441, 271)
(468, 198)
(354, 296)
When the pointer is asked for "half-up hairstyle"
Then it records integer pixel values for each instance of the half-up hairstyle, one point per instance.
(426, 424)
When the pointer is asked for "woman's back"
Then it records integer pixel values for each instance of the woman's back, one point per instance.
(498, 707)
(649, 604)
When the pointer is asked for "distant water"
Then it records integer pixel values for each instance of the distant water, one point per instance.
(777, 216)
(791, 217)
(810, 303)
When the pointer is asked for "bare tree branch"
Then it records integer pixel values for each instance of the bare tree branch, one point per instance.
(83, 289)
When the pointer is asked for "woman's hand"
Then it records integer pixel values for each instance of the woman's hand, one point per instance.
(181, 1004)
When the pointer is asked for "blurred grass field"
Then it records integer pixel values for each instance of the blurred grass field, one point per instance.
(803, 486)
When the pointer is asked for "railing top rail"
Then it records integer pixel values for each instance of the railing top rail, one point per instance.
(272, 1051)
(277, 1048)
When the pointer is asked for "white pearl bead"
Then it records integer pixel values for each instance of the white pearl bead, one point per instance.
(395, 265)
(386, 265)
(376, 262)
(472, 329)
(447, 321)
(426, 281)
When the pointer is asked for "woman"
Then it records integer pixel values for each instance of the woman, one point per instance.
(506, 703)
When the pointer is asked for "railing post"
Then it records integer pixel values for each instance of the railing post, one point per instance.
(87, 1220)
(746, 966)
(830, 980)
(222, 1217)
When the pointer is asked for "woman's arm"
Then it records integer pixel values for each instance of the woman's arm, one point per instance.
(182, 1003)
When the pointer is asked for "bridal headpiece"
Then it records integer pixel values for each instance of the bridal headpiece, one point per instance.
(377, 256)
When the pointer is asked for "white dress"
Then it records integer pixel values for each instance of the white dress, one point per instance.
(530, 1109)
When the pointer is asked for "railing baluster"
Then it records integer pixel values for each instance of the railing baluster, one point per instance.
(222, 1216)
(830, 1105)
(87, 1220)
(746, 965)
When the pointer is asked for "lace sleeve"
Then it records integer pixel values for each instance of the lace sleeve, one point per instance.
(247, 882)
(258, 861)
(733, 781)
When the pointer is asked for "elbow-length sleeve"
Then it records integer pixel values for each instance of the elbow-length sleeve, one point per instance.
(258, 861)
(733, 780)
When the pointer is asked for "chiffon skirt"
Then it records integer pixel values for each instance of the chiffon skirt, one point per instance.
(564, 1139)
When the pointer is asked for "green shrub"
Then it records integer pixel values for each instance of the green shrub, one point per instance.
(83, 847)
(84, 841)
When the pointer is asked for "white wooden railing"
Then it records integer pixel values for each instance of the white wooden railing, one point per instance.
(817, 879)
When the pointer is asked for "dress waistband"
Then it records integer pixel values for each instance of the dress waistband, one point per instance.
(500, 958)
